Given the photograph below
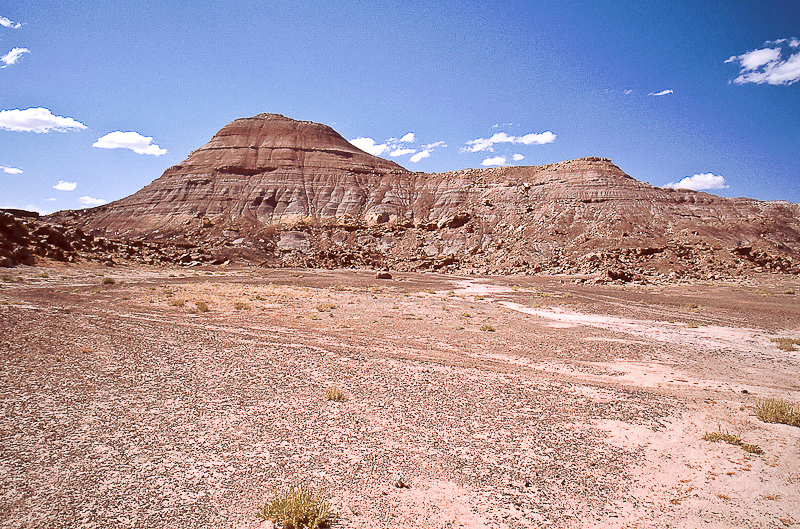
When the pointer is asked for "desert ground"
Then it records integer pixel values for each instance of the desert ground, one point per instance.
(505, 402)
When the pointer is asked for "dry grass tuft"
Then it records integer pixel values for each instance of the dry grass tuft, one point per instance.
(326, 307)
(786, 344)
(335, 394)
(177, 302)
(715, 437)
(778, 411)
(108, 281)
(239, 305)
(487, 328)
(298, 507)
(202, 306)
(752, 449)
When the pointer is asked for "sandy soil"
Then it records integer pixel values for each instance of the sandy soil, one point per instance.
(503, 402)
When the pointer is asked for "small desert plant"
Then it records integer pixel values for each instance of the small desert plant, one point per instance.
(202, 306)
(752, 449)
(487, 328)
(692, 306)
(785, 343)
(108, 281)
(241, 306)
(715, 437)
(466, 315)
(298, 507)
(692, 325)
(778, 411)
(335, 394)
(326, 307)
(178, 302)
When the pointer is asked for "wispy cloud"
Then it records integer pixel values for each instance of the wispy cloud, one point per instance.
(627, 92)
(10, 170)
(129, 140)
(666, 92)
(494, 160)
(778, 63)
(89, 201)
(50, 199)
(390, 146)
(425, 153)
(486, 144)
(395, 147)
(13, 56)
(65, 186)
(9, 23)
(699, 182)
(39, 120)
(402, 152)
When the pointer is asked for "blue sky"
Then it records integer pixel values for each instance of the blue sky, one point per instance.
(476, 82)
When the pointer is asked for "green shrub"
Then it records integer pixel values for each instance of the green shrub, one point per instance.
(298, 507)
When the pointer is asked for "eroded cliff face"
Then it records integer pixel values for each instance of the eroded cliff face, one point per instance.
(288, 192)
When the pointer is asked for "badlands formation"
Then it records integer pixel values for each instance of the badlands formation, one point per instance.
(282, 192)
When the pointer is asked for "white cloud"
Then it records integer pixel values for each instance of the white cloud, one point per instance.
(699, 181)
(9, 23)
(495, 160)
(13, 56)
(10, 170)
(89, 201)
(486, 144)
(425, 153)
(369, 145)
(397, 147)
(402, 152)
(37, 120)
(666, 92)
(50, 199)
(65, 186)
(129, 140)
(768, 65)
(517, 157)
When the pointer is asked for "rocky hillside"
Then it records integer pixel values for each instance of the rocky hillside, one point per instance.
(286, 192)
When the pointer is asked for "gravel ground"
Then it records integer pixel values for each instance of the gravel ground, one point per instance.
(123, 405)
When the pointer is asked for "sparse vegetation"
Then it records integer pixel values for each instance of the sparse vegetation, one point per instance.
(108, 281)
(778, 411)
(692, 306)
(786, 344)
(335, 394)
(715, 437)
(692, 324)
(298, 507)
(177, 302)
(487, 328)
(240, 305)
(752, 449)
(732, 439)
(202, 306)
(325, 307)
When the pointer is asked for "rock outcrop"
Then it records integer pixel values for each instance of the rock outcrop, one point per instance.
(288, 192)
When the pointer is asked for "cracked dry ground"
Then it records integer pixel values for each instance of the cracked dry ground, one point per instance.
(123, 405)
